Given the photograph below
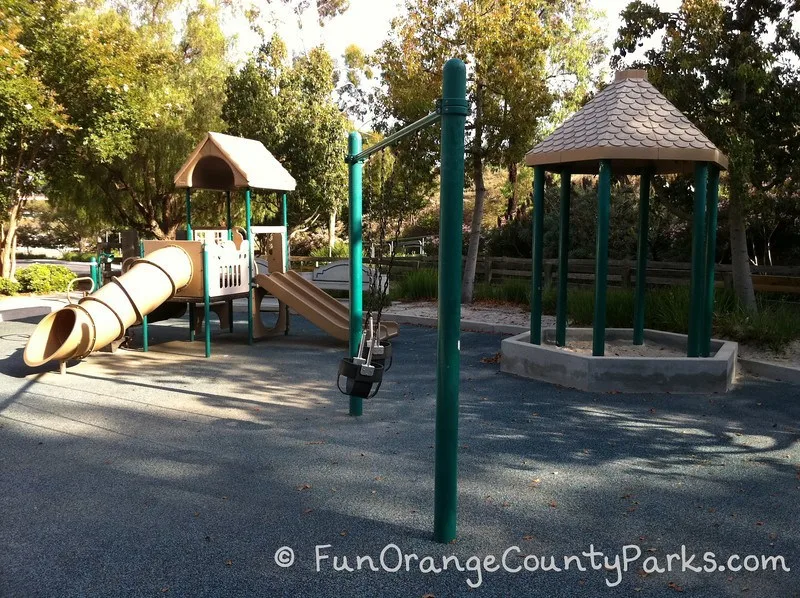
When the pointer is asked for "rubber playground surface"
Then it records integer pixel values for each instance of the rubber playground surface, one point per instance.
(167, 474)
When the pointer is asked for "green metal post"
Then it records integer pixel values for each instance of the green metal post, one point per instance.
(563, 258)
(94, 273)
(228, 220)
(206, 302)
(356, 274)
(145, 327)
(248, 216)
(454, 108)
(601, 259)
(286, 228)
(189, 214)
(696, 307)
(536, 266)
(641, 256)
(711, 248)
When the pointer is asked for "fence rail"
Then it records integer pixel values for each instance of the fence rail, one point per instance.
(780, 279)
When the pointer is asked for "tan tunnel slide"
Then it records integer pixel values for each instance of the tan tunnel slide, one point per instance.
(76, 330)
(314, 304)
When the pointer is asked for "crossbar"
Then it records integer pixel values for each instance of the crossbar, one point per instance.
(405, 131)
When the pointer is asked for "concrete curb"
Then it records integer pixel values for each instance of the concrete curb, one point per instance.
(20, 313)
(466, 325)
(766, 369)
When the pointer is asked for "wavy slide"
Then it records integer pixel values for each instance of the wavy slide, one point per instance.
(314, 304)
(95, 321)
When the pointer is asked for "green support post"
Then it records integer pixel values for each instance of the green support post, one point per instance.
(601, 259)
(286, 228)
(711, 249)
(145, 327)
(94, 273)
(641, 256)
(228, 220)
(356, 316)
(454, 109)
(536, 266)
(189, 214)
(206, 303)
(191, 320)
(698, 279)
(563, 258)
(248, 216)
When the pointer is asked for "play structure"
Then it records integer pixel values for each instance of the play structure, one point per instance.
(210, 270)
(628, 128)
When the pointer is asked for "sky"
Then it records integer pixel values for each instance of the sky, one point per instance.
(367, 22)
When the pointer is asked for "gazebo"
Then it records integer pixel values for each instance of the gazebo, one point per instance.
(628, 128)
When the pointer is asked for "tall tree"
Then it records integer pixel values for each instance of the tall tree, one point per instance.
(289, 107)
(528, 61)
(732, 67)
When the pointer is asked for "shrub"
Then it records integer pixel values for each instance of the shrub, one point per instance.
(773, 326)
(418, 285)
(44, 278)
(8, 287)
(78, 256)
(340, 250)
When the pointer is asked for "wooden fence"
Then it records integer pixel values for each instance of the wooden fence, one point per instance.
(780, 279)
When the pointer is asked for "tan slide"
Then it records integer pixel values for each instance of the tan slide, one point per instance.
(76, 330)
(314, 304)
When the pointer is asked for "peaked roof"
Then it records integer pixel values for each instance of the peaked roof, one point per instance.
(224, 162)
(632, 124)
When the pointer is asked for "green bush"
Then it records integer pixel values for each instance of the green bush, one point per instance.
(506, 291)
(78, 256)
(417, 285)
(8, 287)
(340, 250)
(774, 325)
(44, 278)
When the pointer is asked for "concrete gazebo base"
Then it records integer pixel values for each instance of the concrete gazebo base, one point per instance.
(673, 374)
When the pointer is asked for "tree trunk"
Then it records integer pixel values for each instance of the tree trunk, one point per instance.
(471, 264)
(740, 260)
(511, 208)
(332, 229)
(9, 241)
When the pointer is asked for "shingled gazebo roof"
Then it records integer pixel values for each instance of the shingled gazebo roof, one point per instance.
(224, 162)
(634, 126)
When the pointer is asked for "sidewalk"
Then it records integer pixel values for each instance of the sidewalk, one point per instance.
(22, 306)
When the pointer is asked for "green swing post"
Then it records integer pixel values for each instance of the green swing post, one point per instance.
(248, 217)
(698, 280)
(563, 257)
(601, 259)
(641, 256)
(145, 327)
(536, 266)
(454, 109)
(356, 316)
(711, 247)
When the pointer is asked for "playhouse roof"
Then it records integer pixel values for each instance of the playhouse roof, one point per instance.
(631, 124)
(224, 162)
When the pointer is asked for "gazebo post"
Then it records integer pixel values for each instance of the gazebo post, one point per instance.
(563, 257)
(601, 259)
(711, 247)
(696, 308)
(537, 250)
(641, 256)
(248, 216)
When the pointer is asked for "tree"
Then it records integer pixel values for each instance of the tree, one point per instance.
(32, 120)
(529, 62)
(732, 68)
(289, 107)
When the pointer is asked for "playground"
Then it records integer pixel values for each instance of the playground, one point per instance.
(165, 473)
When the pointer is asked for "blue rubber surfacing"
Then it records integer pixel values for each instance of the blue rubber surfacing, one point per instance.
(176, 475)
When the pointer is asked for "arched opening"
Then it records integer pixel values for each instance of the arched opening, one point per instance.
(212, 172)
